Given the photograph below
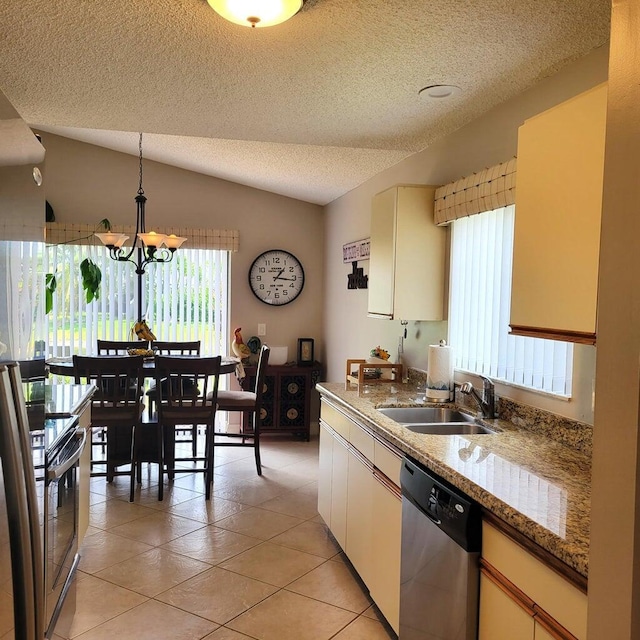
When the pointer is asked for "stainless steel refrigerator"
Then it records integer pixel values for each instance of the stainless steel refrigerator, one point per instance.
(21, 555)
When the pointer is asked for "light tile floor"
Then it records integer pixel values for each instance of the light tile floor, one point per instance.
(255, 562)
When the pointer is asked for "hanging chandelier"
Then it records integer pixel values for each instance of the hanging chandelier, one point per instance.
(147, 246)
(256, 13)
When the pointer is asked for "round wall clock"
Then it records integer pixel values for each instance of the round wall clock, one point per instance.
(276, 277)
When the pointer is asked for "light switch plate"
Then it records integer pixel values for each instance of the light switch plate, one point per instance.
(262, 329)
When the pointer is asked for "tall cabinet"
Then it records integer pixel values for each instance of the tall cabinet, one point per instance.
(559, 184)
(407, 256)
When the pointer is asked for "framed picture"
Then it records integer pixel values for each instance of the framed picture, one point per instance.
(305, 351)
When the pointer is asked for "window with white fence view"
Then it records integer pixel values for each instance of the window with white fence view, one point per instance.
(480, 298)
(185, 299)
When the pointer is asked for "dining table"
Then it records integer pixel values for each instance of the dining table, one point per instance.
(63, 366)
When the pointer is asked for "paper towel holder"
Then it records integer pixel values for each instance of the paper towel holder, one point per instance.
(437, 391)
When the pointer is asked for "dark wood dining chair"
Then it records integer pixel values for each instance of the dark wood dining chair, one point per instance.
(250, 404)
(113, 348)
(33, 370)
(117, 406)
(119, 347)
(188, 398)
(168, 348)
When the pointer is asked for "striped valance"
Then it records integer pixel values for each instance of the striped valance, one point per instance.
(222, 239)
(486, 190)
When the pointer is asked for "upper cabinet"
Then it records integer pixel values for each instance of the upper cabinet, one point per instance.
(407, 260)
(557, 230)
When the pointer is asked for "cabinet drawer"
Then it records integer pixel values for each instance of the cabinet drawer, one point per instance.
(362, 440)
(550, 591)
(336, 420)
(388, 461)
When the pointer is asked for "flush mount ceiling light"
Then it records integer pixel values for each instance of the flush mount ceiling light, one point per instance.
(256, 13)
(439, 91)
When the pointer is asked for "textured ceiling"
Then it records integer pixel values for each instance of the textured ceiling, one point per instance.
(310, 108)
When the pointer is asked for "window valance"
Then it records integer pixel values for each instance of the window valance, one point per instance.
(486, 190)
(221, 239)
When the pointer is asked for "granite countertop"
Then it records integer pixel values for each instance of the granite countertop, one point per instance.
(539, 486)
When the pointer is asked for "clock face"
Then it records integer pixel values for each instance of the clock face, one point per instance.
(276, 277)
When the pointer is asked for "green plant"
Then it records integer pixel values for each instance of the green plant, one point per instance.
(89, 271)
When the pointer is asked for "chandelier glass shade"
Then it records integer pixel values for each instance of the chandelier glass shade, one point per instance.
(256, 13)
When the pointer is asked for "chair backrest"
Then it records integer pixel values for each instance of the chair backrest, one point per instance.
(165, 348)
(119, 347)
(261, 373)
(33, 370)
(118, 382)
(190, 393)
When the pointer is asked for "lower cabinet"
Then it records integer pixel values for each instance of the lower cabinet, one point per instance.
(540, 633)
(501, 617)
(360, 515)
(361, 505)
(521, 598)
(385, 547)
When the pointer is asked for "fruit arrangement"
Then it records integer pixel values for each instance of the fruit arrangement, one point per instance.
(379, 352)
(141, 329)
(147, 353)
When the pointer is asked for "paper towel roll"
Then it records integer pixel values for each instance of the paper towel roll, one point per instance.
(439, 373)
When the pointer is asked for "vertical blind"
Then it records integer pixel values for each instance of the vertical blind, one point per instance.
(20, 294)
(185, 299)
(480, 300)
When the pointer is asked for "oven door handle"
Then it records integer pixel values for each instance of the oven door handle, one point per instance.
(57, 472)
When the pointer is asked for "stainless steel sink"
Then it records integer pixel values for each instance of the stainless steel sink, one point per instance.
(435, 420)
(449, 429)
(422, 415)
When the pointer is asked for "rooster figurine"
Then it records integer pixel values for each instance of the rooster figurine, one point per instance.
(238, 346)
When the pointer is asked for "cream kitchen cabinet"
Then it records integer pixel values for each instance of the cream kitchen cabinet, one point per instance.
(521, 598)
(360, 501)
(407, 259)
(386, 530)
(501, 617)
(557, 222)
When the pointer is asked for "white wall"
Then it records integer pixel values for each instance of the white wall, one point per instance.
(85, 183)
(488, 140)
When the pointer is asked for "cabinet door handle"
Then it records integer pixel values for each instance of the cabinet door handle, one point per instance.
(386, 483)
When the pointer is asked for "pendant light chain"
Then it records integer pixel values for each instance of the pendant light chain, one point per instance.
(140, 189)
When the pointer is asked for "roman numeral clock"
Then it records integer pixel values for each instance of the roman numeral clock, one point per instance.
(276, 277)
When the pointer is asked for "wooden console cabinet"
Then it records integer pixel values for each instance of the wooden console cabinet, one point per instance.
(287, 397)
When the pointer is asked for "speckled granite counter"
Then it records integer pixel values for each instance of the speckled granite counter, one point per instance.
(535, 484)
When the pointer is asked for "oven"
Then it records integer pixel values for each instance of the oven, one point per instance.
(57, 453)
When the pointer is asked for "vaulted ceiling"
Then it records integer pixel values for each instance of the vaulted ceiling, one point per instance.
(310, 108)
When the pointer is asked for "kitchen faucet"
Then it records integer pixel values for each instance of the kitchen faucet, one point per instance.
(487, 402)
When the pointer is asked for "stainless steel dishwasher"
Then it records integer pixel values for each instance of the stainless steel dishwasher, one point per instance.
(439, 576)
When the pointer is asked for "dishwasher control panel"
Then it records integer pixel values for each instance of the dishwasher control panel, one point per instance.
(444, 504)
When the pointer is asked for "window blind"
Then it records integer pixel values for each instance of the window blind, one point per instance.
(185, 299)
(483, 191)
(480, 300)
